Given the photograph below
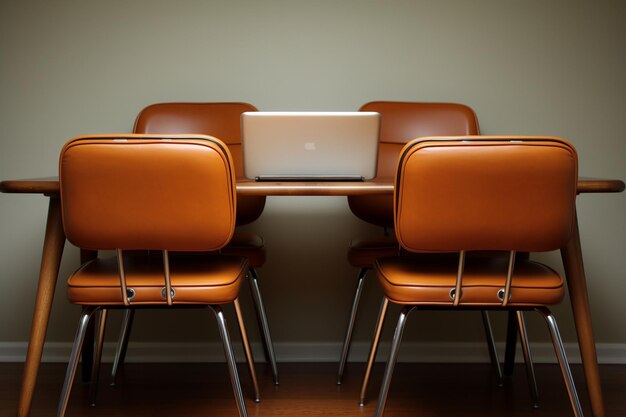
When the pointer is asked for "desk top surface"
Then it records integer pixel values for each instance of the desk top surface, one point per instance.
(50, 186)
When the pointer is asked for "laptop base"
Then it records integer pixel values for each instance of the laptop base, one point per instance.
(312, 177)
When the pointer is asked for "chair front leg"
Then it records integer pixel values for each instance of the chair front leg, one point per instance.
(355, 306)
(247, 350)
(562, 358)
(391, 362)
(230, 360)
(265, 329)
(382, 313)
(77, 347)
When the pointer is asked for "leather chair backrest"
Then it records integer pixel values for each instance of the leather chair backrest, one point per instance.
(400, 123)
(174, 192)
(487, 193)
(221, 120)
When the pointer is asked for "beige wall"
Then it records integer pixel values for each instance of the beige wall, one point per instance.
(554, 67)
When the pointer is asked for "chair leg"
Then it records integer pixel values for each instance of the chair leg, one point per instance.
(528, 359)
(372, 356)
(355, 306)
(74, 356)
(97, 357)
(248, 351)
(122, 343)
(391, 362)
(230, 360)
(491, 345)
(260, 310)
(511, 343)
(562, 358)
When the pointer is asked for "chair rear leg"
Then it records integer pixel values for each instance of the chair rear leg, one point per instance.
(393, 356)
(265, 329)
(122, 343)
(230, 360)
(562, 358)
(511, 343)
(97, 357)
(491, 345)
(372, 356)
(528, 359)
(248, 351)
(77, 347)
(355, 306)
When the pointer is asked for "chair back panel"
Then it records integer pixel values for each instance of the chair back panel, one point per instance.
(221, 120)
(147, 192)
(400, 123)
(487, 193)
(404, 121)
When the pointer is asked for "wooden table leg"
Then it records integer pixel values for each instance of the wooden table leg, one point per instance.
(574, 270)
(50, 260)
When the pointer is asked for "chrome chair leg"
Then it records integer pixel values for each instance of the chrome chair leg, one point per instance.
(97, 357)
(528, 359)
(248, 351)
(391, 362)
(74, 356)
(265, 329)
(511, 343)
(372, 356)
(491, 345)
(355, 306)
(562, 358)
(122, 344)
(230, 360)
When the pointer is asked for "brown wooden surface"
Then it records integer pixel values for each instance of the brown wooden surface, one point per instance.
(53, 244)
(50, 186)
(573, 264)
(201, 390)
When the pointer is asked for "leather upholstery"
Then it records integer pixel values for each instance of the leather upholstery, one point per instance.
(147, 192)
(221, 120)
(196, 279)
(137, 192)
(512, 193)
(495, 193)
(429, 279)
(400, 123)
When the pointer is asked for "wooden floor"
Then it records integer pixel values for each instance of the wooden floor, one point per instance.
(425, 390)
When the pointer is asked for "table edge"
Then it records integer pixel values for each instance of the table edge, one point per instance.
(50, 186)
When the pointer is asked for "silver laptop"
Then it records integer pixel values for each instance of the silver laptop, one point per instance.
(310, 146)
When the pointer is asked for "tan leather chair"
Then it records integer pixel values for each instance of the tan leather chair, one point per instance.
(221, 120)
(124, 193)
(400, 122)
(513, 194)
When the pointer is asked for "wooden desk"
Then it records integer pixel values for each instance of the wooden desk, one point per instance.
(54, 240)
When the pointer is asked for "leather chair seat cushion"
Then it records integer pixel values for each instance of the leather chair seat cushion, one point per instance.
(363, 252)
(196, 278)
(249, 245)
(428, 281)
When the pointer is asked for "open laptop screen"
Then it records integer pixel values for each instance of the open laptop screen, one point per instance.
(310, 145)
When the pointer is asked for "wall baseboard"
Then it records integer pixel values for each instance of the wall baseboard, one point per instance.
(142, 352)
